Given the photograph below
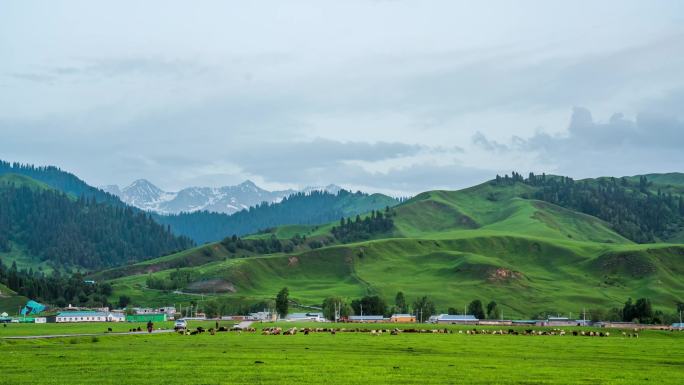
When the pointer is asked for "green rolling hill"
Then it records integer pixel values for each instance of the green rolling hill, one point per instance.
(43, 228)
(495, 241)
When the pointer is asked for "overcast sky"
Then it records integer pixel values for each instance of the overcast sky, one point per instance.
(390, 96)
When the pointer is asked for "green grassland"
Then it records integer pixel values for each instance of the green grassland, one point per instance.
(485, 242)
(9, 301)
(23, 181)
(344, 358)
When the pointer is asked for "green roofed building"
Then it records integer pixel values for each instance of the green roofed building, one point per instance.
(154, 317)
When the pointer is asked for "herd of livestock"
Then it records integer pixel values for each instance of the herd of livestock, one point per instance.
(274, 331)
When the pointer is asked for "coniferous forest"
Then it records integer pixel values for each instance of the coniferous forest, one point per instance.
(363, 229)
(634, 209)
(60, 180)
(55, 289)
(80, 231)
(312, 208)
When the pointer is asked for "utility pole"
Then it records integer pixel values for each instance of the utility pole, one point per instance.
(361, 312)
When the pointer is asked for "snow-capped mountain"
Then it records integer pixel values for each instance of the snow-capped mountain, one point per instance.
(227, 199)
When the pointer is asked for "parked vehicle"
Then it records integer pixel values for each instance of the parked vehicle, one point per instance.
(180, 324)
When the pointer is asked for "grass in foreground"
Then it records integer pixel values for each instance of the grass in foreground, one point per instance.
(345, 358)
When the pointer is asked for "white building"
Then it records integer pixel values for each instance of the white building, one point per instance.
(453, 319)
(311, 317)
(88, 316)
(170, 311)
(262, 316)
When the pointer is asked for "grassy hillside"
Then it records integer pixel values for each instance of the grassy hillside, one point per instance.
(10, 301)
(17, 180)
(487, 242)
(499, 208)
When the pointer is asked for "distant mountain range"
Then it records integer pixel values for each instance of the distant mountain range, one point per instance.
(226, 200)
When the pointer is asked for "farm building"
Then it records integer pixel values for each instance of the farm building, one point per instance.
(454, 319)
(404, 318)
(558, 321)
(83, 316)
(366, 318)
(314, 317)
(263, 316)
(170, 311)
(153, 317)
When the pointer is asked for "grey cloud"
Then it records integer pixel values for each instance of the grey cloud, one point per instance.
(412, 179)
(280, 159)
(647, 130)
(480, 140)
(619, 146)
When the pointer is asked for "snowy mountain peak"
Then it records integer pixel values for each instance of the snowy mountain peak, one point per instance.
(112, 189)
(228, 199)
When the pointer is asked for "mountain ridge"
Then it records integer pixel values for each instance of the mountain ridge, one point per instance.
(225, 199)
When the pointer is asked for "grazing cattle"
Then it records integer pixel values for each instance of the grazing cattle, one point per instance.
(109, 330)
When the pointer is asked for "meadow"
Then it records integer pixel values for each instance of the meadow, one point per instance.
(345, 358)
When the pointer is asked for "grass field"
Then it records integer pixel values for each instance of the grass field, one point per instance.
(345, 358)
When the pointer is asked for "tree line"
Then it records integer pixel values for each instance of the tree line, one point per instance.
(60, 180)
(359, 229)
(80, 232)
(632, 208)
(312, 208)
(55, 289)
